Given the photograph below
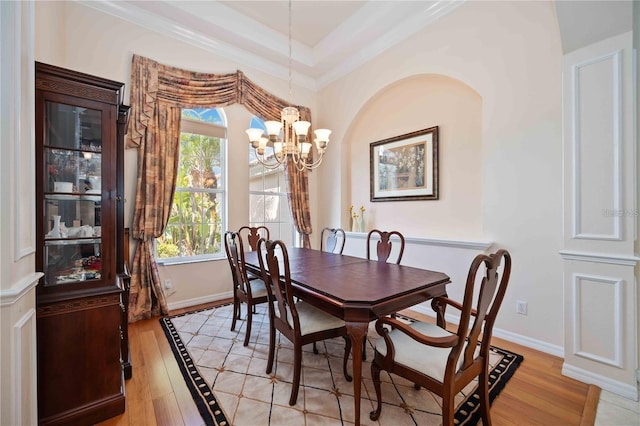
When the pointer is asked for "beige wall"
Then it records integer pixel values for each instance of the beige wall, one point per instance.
(509, 53)
(412, 104)
(74, 36)
(502, 154)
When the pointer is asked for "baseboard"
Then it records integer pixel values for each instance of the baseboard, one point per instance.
(519, 339)
(619, 388)
(199, 300)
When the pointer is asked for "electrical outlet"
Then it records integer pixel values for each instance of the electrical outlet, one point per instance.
(168, 284)
(521, 307)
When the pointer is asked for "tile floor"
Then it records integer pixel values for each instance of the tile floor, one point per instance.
(614, 410)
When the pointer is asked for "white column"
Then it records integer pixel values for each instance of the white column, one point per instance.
(18, 278)
(600, 216)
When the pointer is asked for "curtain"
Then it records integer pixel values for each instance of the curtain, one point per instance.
(298, 194)
(158, 93)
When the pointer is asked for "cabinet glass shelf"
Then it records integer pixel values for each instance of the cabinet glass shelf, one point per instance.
(70, 241)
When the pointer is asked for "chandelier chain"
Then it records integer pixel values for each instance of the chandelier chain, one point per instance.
(287, 142)
(290, 61)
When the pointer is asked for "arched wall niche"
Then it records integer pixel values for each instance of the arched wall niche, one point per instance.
(414, 103)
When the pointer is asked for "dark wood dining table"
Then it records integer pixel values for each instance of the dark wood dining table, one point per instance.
(357, 290)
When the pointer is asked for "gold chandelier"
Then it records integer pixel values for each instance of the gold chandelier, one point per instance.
(287, 138)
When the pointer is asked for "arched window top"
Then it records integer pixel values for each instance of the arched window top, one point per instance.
(208, 115)
(257, 123)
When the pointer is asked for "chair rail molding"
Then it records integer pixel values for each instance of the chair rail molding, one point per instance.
(613, 259)
(445, 242)
(22, 287)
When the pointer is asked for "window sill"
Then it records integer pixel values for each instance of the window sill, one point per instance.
(177, 261)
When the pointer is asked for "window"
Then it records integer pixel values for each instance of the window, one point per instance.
(197, 219)
(268, 204)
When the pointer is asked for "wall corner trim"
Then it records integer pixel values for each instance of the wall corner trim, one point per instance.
(610, 258)
(22, 287)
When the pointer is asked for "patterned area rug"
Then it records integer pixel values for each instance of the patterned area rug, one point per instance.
(230, 387)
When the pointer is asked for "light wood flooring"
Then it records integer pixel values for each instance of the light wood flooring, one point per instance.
(537, 394)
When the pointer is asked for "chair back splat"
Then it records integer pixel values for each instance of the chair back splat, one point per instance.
(332, 240)
(253, 233)
(280, 290)
(454, 358)
(384, 245)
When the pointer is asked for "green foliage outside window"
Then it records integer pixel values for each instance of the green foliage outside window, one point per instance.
(194, 227)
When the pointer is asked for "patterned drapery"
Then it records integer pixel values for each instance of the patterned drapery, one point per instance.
(158, 93)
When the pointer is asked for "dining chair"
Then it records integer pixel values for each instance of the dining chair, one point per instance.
(384, 248)
(332, 240)
(249, 291)
(445, 362)
(384, 245)
(298, 321)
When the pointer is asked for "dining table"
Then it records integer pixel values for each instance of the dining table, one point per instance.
(356, 290)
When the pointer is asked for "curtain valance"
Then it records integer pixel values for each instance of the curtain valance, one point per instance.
(152, 82)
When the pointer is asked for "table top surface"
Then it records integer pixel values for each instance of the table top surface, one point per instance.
(349, 279)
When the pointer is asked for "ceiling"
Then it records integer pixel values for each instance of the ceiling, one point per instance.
(585, 22)
(329, 38)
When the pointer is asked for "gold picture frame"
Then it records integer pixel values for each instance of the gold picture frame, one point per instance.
(405, 168)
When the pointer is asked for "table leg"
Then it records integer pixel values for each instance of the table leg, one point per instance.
(357, 333)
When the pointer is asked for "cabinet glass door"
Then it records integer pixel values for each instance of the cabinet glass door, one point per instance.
(73, 193)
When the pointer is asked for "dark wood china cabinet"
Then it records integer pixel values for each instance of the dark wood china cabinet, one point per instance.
(82, 339)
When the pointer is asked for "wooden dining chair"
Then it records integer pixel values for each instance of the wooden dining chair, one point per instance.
(332, 240)
(384, 248)
(384, 245)
(445, 362)
(251, 292)
(298, 321)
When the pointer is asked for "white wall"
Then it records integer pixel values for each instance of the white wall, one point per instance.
(18, 278)
(510, 54)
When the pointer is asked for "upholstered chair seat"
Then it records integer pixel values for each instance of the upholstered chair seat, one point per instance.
(312, 319)
(258, 289)
(428, 360)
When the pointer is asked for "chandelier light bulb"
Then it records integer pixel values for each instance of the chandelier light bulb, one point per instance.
(273, 128)
(254, 136)
(301, 127)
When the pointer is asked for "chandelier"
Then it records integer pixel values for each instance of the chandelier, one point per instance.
(287, 139)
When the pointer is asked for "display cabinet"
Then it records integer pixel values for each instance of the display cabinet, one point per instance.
(81, 299)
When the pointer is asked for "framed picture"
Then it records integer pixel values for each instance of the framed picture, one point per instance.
(405, 167)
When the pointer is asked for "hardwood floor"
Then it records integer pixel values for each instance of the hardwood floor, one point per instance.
(537, 394)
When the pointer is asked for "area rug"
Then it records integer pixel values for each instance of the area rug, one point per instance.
(230, 387)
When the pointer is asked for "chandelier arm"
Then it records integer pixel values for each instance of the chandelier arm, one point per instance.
(314, 164)
(269, 165)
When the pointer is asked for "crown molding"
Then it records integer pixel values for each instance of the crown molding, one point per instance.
(374, 28)
(179, 32)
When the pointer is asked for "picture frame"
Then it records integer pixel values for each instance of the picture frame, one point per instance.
(405, 167)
